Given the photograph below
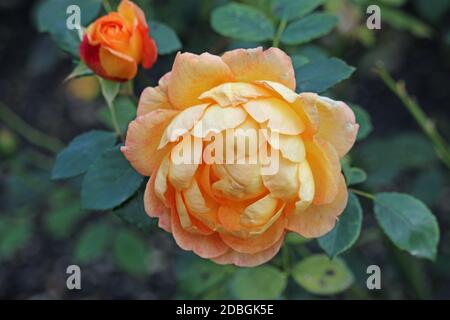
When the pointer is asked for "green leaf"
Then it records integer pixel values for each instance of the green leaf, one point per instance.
(346, 231)
(408, 223)
(364, 121)
(51, 15)
(289, 9)
(93, 242)
(242, 22)
(294, 238)
(109, 181)
(320, 75)
(320, 275)
(76, 158)
(355, 175)
(299, 60)
(131, 253)
(81, 70)
(125, 113)
(165, 37)
(68, 41)
(133, 212)
(110, 90)
(264, 282)
(402, 21)
(308, 28)
(312, 52)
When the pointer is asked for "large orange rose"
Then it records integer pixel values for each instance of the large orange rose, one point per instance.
(114, 45)
(232, 213)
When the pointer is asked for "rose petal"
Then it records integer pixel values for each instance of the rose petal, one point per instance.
(337, 124)
(143, 136)
(154, 98)
(317, 220)
(216, 119)
(194, 74)
(155, 207)
(234, 93)
(249, 65)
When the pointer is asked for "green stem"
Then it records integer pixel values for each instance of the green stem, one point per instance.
(281, 27)
(31, 134)
(362, 193)
(442, 149)
(115, 123)
(286, 258)
(107, 6)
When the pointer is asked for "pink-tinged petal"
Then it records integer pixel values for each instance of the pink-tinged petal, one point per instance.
(155, 207)
(250, 65)
(249, 260)
(317, 220)
(337, 124)
(193, 75)
(206, 246)
(144, 134)
(154, 98)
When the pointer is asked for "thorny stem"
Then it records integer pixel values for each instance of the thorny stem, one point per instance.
(441, 147)
(281, 27)
(29, 133)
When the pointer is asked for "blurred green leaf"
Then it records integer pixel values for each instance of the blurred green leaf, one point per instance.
(355, 176)
(364, 121)
(429, 185)
(61, 222)
(394, 3)
(76, 158)
(292, 9)
(165, 37)
(346, 231)
(308, 28)
(432, 10)
(264, 282)
(109, 181)
(14, 234)
(320, 75)
(408, 223)
(125, 113)
(403, 21)
(93, 242)
(320, 275)
(197, 277)
(68, 41)
(131, 253)
(133, 212)
(242, 22)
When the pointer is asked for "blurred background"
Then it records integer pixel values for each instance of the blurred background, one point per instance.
(43, 229)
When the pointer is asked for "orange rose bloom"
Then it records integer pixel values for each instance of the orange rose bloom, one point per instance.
(115, 44)
(232, 213)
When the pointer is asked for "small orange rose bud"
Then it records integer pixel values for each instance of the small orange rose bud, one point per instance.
(115, 44)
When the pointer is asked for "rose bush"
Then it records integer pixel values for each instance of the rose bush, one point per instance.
(114, 45)
(232, 213)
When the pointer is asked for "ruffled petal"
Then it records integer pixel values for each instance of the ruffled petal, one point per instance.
(234, 93)
(155, 207)
(143, 136)
(317, 220)
(153, 98)
(337, 124)
(193, 75)
(272, 64)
